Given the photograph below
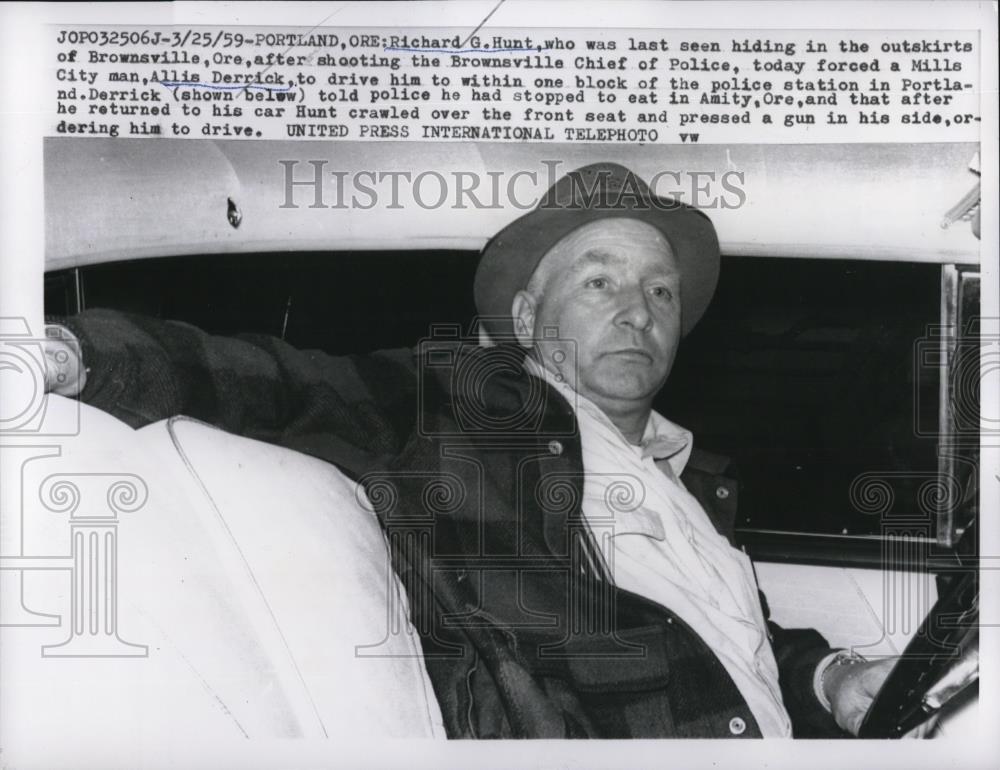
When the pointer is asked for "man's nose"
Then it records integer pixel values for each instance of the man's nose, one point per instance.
(634, 310)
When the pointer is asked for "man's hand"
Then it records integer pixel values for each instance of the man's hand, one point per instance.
(65, 374)
(852, 688)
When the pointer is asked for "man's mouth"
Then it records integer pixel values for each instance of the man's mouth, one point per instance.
(637, 354)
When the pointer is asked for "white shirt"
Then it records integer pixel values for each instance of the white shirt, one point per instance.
(659, 543)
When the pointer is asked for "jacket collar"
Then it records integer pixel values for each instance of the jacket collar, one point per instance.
(661, 440)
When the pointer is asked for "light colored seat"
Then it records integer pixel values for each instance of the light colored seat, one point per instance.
(310, 571)
(255, 598)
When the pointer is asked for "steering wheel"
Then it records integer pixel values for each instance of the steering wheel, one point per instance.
(938, 662)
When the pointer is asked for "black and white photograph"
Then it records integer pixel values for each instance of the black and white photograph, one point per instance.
(382, 384)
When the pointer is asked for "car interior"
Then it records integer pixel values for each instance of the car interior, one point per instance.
(832, 370)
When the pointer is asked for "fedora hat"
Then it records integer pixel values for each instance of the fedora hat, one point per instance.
(595, 192)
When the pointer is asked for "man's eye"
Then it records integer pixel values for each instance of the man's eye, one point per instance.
(597, 283)
(661, 291)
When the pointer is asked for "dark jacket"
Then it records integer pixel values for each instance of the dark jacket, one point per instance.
(475, 471)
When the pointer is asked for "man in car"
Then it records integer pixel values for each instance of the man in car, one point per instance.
(566, 563)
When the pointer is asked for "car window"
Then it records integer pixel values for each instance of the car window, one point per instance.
(804, 372)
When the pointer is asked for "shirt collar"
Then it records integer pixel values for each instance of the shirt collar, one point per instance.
(661, 439)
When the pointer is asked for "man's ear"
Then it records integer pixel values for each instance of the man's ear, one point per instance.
(522, 310)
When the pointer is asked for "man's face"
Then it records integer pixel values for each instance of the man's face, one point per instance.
(611, 291)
